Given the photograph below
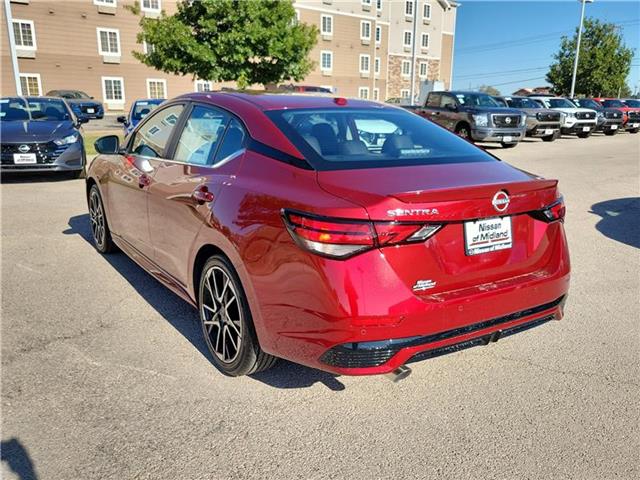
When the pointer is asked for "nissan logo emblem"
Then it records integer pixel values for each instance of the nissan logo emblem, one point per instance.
(507, 120)
(500, 201)
(24, 148)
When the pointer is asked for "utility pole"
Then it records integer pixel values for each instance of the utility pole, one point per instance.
(575, 62)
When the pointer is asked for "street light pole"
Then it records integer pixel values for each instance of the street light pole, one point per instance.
(575, 62)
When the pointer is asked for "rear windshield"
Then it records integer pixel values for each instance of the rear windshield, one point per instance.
(142, 109)
(349, 138)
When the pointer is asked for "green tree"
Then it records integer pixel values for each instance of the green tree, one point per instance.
(489, 89)
(603, 65)
(247, 41)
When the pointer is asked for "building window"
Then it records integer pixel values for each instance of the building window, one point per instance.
(406, 38)
(147, 48)
(424, 41)
(376, 93)
(365, 30)
(203, 86)
(326, 61)
(113, 89)
(426, 11)
(363, 92)
(105, 3)
(108, 41)
(30, 84)
(326, 24)
(423, 70)
(405, 93)
(376, 65)
(408, 8)
(366, 3)
(406, 68)
(364, 63)
(378, 34)
(25, 34)
(151, 5)
(378, 4)
(156, 88)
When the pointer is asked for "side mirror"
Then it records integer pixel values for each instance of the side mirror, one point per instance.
(452, 107)
(109, 144)
(121, 119)
(82, 120)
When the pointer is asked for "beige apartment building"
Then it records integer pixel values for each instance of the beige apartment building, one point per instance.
(365, 48)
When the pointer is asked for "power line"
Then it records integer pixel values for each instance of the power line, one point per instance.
(491, 74)
(514, 81)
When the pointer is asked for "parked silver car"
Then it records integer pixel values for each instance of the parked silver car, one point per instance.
(541, 122)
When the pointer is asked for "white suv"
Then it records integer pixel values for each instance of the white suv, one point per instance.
(579, 121)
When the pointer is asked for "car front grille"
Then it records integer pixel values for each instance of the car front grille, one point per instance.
(46, 153)
(506, 121)
(585, 115)
(613, 115)
(633, 115)
(373, 354)
(548, 116)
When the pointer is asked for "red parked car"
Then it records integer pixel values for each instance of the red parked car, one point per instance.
(346, 235)
(631, 122)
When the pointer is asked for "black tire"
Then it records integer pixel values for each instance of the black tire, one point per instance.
(464, 131)
(635, 130)
(610, 133)
(221, 325)
(99, 226)
(584, 135)
(550, 138)
(508, 145)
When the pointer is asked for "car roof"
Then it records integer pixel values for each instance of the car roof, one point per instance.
(277, 101)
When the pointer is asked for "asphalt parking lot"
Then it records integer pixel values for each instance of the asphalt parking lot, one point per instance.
(105, 375)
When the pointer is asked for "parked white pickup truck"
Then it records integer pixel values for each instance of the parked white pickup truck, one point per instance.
(577, 121)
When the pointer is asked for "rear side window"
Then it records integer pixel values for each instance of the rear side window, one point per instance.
(233, 141)
(201, 135)
(447, 100)
(346, 138)
(151, 138)
(434, 100)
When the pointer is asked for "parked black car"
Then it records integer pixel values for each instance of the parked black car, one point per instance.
(609, 120)
(83, 105)
(40, 134)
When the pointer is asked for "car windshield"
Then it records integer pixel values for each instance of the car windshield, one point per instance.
(561, 103)
(346, 138)
(142, 109)
(632, 103)
(73, 94)
(522, 103)
(33, 109)
(588, 103)
(476, 99)
(613, 104)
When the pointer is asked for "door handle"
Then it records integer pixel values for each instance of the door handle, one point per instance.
(202, 195)
(144, 180)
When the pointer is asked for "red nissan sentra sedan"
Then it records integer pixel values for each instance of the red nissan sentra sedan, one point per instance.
(346, 235)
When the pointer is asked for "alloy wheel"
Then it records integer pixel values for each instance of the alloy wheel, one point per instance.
(96, 214)
(221, 315)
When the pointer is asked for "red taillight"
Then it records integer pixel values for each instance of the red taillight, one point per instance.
(553, 212)
(341, 238)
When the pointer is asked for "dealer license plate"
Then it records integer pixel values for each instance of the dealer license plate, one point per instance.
(487, 235)
(586, 129)
(24, 158)
(614, 127)
(507, 139)
(635, 125)
(548, 131)
(91, 110)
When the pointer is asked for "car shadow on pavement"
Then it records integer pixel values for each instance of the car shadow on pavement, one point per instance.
(35, 178)
(183, 317)
(619, 220)
(15, 455)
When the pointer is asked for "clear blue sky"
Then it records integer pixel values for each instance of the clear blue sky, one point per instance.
(509, 44)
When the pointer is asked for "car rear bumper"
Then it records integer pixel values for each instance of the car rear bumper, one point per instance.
(513, 135)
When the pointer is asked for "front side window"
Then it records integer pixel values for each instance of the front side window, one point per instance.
(108, 41)
(113, 88)
(24, 34)
(30, 84)
(151, 138)
(201, 134)
(348, 138)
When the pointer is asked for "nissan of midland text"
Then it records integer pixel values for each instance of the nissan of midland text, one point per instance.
(345, 235)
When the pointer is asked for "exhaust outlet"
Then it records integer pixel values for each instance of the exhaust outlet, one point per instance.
(399, 373)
